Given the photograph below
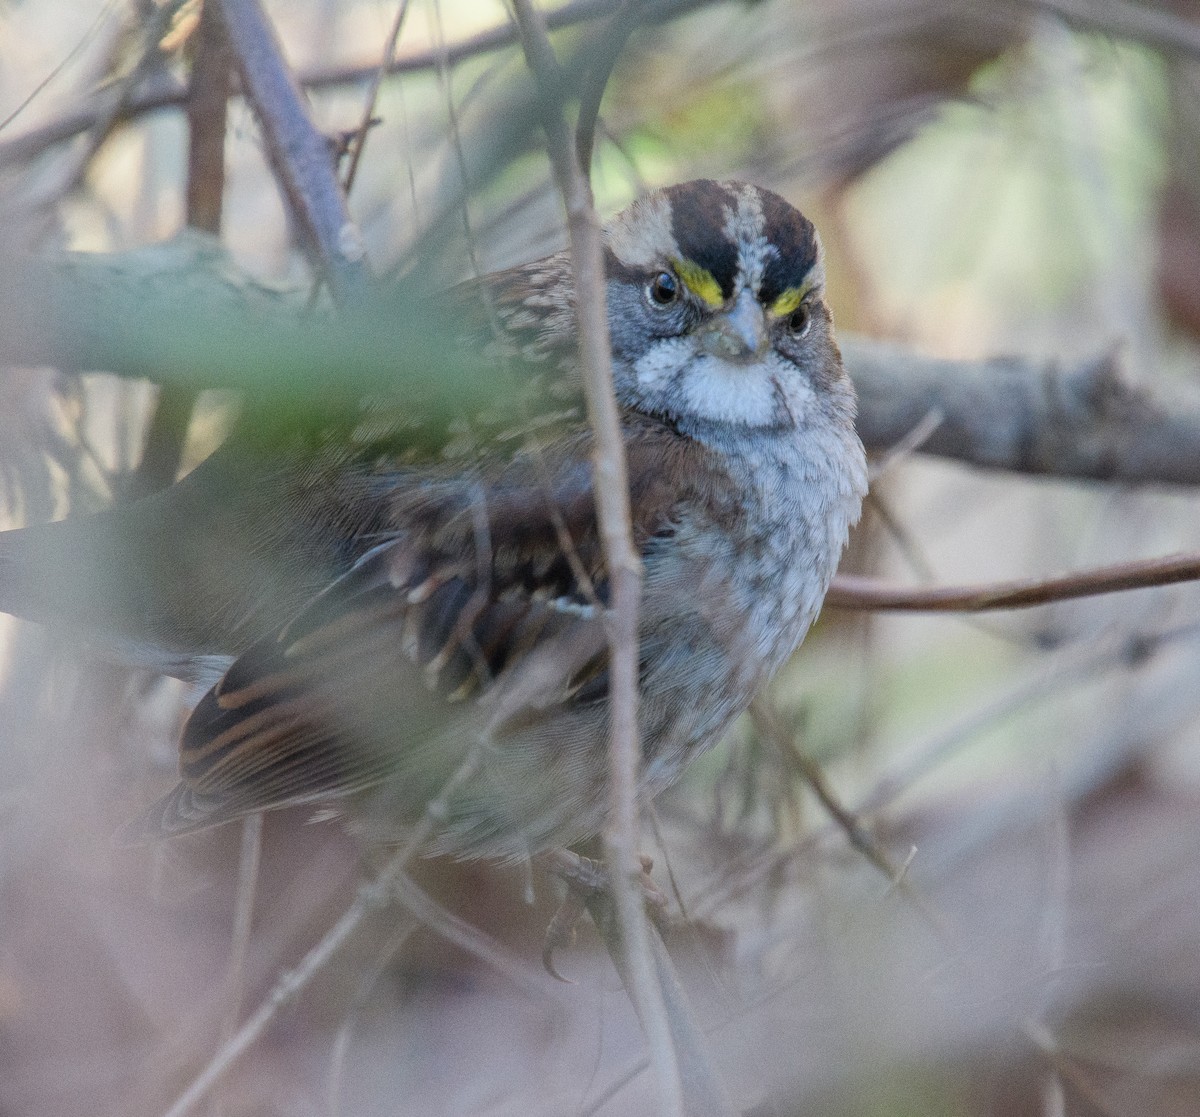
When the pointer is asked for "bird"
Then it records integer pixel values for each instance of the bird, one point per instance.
(393, 631)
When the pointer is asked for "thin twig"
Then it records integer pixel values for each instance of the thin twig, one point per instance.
(113, 108)
(853, 591)
(364, 125)
(439, 919)
(703, 1091)
(766, 722)
(250, 856)
(624, 567)
(460, 159)
(84, 40)
(886, 461)
(1072, 667)
(366, 984)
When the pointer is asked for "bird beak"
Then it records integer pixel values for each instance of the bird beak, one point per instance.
(740, 333)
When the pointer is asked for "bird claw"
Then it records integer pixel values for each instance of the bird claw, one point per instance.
(560, 932)
(584, 877)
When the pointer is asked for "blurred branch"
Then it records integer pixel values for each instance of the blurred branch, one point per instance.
(207, 112)
(1029, 415)
(850, 591)
(100, 124)
(1143, 22)
(164, 92)
(372, 895)
(299, 154)
(767, 723)
(181, 312)
(705, 1092)
(603, 57)
(634, 957)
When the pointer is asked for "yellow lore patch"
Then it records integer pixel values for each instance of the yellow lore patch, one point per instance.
(700, 282)
(788, 301)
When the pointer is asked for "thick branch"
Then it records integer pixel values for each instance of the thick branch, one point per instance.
(207, 113)
(1029, 416)
(181, 313)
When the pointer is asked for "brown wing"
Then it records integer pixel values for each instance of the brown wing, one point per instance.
(474, 577)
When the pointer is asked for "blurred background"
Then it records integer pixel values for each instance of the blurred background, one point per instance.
(989, 178)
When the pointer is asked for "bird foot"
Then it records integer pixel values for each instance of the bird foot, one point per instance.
(585, 877)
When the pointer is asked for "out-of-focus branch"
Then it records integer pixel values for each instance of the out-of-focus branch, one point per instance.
(207, 113)
(854, 592)
(111, 109)
(162, 91)
(1029, 415)
(181, 312)
(373, 895)
(299, 154)
(1141, 22)
(603, 57)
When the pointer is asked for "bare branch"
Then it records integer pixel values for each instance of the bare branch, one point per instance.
(182, 313)
(624, 567)
(1028, 415)
(603, 57)
(298, 153)
(161, 91)
(207, 113)
(854, 592)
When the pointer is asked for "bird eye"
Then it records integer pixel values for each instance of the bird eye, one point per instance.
(663, 289)
(797, 321)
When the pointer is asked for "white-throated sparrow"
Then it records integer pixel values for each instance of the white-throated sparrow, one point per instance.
(465, 596)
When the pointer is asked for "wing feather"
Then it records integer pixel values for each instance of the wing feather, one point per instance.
(478, 611)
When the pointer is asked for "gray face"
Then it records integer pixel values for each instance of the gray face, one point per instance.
(716, 309)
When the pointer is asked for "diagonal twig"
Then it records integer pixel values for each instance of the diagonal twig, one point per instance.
(299, 154)
(372, 896)
(364, 125)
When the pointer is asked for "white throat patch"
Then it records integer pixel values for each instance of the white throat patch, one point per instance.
(704, 386)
